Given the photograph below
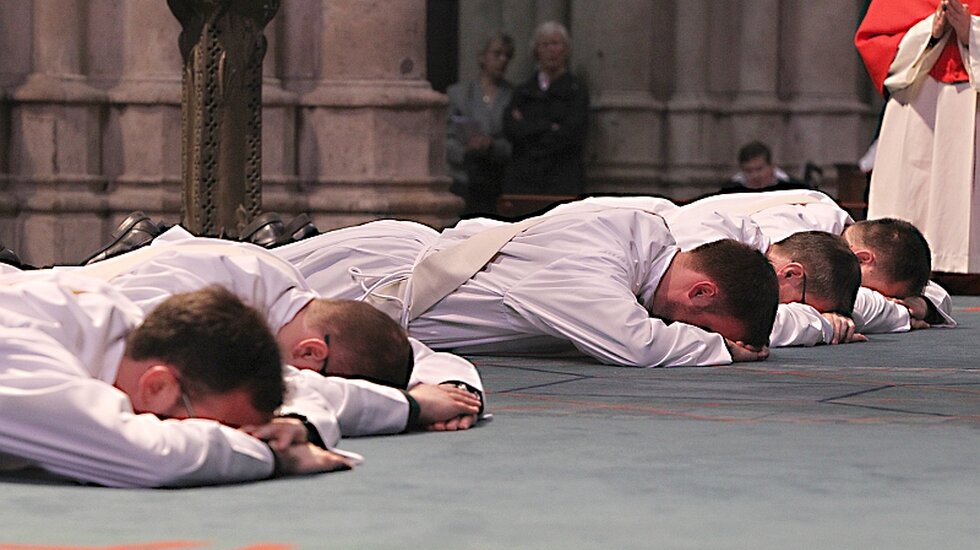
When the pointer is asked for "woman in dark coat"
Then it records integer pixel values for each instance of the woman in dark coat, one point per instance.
(547, 121)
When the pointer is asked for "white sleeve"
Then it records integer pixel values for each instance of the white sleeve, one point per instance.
(781, 221)
(876, 314)
(259, 280)
(799, 325)
(914, 58)
(941, 301)
(654, 205)
(58, 418)
(587, 300)
(359, 407)
(436, 367)
(691, 232)
(971, 61)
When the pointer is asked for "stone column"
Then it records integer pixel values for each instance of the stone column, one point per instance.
(55, 160)
(222, 46)
(695, 136)
(757, 111)
(372, 133)
(143, 127)
(821, 64)
(281, 190)
(627, 127)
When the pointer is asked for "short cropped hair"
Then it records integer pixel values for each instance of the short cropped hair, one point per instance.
(901, 251)
(833, 272)
(503, 38)
(364, 342)
(754, 150)
(747, 285)
(216, 342)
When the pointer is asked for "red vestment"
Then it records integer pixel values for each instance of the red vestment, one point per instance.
(884, 26)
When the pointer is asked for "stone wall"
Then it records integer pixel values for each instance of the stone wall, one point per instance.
(90, 120)
(678, 86)
(352, 131)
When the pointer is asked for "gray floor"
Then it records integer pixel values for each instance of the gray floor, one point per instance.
(871, 445)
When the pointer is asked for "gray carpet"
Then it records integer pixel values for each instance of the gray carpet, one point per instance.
(872, 445)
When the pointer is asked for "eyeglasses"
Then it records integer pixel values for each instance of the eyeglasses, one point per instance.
(803, 294)
(185, 400)
(409, 367)
(326, 360)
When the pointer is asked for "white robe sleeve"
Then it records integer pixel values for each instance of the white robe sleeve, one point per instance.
(799, 325)
(779, 222)
(432, 367)
(358, 407)
(691, 232)
(587, 300)
(914, 58)
(262, 281)
(654, 205)
(59, 418)
(972, 61)
(875, 314)
(941, 301)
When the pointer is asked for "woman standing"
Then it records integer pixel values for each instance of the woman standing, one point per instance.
(477, 150)
(547, 121)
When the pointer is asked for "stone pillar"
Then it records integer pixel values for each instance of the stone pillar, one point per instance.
(372, 134)
(55, 160)
(757, 112)
(627, 127)
(825, 97)
(222, 46)
(695, 136)
(143, 127)
(15, 43)
(281, 190)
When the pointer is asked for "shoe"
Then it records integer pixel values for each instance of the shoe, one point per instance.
(265, 230)
(299, 228)
(133, 232)
(8, 256)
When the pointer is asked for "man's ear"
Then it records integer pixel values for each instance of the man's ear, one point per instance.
(158, 390)
(790, 271)
(309, 353)
(865, 256)
(702, 293)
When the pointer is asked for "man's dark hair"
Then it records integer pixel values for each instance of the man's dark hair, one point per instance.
(833, 272)
(217, 343)
(901, 251)
(754, 150)
(364, 342)
(747, 285)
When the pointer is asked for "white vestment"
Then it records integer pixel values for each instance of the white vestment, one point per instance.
(179, 262)
(873, 312)
(758, 219)
(61, 340)
(926, 168)
(583, 279)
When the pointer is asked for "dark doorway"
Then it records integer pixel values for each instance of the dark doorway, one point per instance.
(442, 43)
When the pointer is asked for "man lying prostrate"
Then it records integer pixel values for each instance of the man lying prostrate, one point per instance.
(896, 262)
(332, 337)
(818, 274)
(93, 391)
(895, 257)
(610, 283)
(779, 214)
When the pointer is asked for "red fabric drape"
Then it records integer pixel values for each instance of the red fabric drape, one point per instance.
(884, 26)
